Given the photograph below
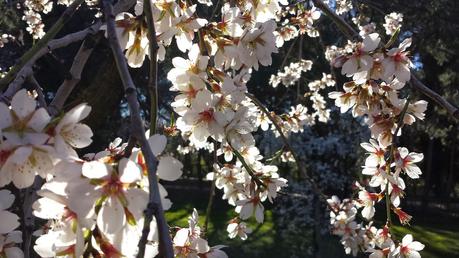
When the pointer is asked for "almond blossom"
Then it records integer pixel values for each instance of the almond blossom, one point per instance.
(361, 61)
(238, 229)
(257, 44)
(397, 63)
(405, 161)
(10, 220)
(408, 248)
(69, 133)
(24, 148)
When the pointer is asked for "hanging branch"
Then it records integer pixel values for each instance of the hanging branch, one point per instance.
(450, 108)
(138, 132)
(211, 192)
(352, 34)
(58, 25)
(153, 67)
(79, 62)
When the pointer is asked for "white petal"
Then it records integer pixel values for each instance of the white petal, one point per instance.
(157, 143)
(111, 217)
(76, 114)
(181, 237)
(6, 199)
(95, 169)
(416, 246)
(259, 216)
(5, 114)
(22, 104)
(14, 252)
(78, 135)
(10, 221)
(202, 246)
(169, 168)
(129, 171)
(137, 202)
(246, 211)
(39, 120)
(407, 240)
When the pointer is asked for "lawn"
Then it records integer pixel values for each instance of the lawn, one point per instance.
(440, 234)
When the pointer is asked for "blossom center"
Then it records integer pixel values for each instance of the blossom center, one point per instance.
(206, 115)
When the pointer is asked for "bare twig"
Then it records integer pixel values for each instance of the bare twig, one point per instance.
(347, 29)
(65, 17)
(39, 89)
(153, 67)
(138, 132)
(417, 84)
(298, 162)
(288, 52)
(74, 77)
(211, 194)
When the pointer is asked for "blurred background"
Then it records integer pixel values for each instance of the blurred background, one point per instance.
(297, 224)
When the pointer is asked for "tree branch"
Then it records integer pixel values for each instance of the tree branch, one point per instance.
(417, 84)
(65, 17)
(153, 67)
(69, 84)
(39, 89)
(24, 69)
(138, 132)
(347, 29)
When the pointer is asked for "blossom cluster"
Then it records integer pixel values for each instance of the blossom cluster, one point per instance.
(188, 241)
(378, 73)
(5, 38)
(34, 9)
(291, 73)
(31, 143)
(393, 22)
(93, 205)
(356, 237)
(10, 239)
(295, 21)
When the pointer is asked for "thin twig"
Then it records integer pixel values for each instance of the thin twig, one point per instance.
(248, 169)
(153, 67)
(301, 167)
(288, 53)
(211, 194)
(347, 29)
(30, 196)
(138, 132)
(40, 96)
(389, 162)
(450, 108)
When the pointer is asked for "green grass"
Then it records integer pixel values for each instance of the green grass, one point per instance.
(440, 234)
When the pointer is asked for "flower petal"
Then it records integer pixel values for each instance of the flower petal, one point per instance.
(169, 168)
